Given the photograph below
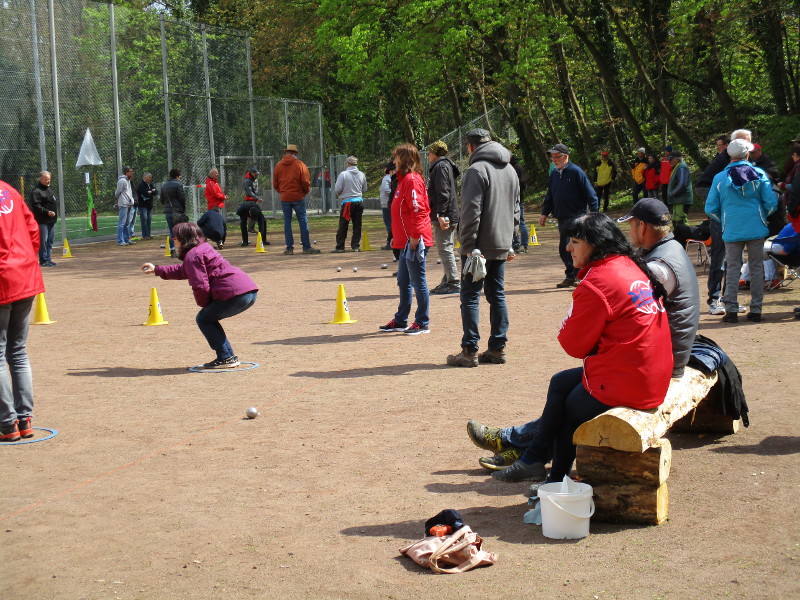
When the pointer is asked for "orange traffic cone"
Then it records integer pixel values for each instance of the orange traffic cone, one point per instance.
(342, 315)
(155, 317)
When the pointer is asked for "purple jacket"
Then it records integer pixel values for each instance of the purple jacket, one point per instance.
(211, 276)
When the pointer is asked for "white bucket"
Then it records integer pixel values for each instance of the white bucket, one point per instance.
(565, 515)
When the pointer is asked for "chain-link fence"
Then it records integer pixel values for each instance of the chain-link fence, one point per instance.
(156, 94)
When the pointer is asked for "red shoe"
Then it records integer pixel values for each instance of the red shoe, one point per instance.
(10, 433)
(25, 428)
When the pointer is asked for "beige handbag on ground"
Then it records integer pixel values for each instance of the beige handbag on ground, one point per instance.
(455, 553)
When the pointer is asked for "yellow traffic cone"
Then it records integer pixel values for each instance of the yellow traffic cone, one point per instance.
(155, 317)
(66, 252)
(167, 252)
(342, 313)
(534, 240)
(260, 245)
(457, 244)
(40, 314)
(365, 241)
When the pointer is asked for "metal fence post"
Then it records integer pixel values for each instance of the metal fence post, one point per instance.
(286, 120)
(208, 95)
(38, 85)
(250, 96)
(322, 187)
(272, 189)
(57, 117)
(115, 87)
(165, 81)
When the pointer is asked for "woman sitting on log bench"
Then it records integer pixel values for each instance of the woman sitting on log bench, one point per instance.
(618, 326)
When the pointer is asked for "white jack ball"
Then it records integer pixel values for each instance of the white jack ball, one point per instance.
(251, 412)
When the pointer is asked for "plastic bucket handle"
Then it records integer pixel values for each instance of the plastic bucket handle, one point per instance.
(571, 514)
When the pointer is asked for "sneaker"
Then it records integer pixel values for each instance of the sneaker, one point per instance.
(797, 313)
(439, 289)
(49, 263)
(392, 326)
(25, 428)
(310, 250)
(253, 231)
(495, 357)
(220, 246)
(119, 244)
(730, 317)
(417, 329)
(173, 253)
(499, 461)
(386, 247)
(568, 282)
(485, 437)
(465, 358)
(519, 471)
(356, 249)
(522, 250)
(337, 251)
(716, 309)
(131, 243)
(223, 363)
(9, 433)
(244, 244)
(288, 252)
(266, 243)
(754, 317)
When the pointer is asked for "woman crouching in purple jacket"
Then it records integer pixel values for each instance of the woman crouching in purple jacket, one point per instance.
(221, 289)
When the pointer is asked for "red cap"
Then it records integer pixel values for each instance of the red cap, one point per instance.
(756, 146)
(604, 154)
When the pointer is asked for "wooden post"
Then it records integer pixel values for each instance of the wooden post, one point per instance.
(632, 503)
(609, 466)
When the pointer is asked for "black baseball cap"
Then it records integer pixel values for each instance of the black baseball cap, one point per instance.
(558, 149)
(648, 210)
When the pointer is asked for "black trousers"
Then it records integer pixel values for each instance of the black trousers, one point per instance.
(262, 226)
(356, 212)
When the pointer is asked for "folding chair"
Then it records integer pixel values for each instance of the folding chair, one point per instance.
(702, 251)
(789, 265)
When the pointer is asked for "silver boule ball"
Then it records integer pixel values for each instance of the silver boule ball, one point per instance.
(384, 265)
(251, 412)
(439, 261)
(355, 269)
(338, 269)
(315, 241)
(394, 260)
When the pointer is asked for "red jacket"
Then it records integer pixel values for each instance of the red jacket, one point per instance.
(411, 211)
(622, 334)
(651, 179)
(291, 179)
(20, 275)
(666, 171)
(214, 195)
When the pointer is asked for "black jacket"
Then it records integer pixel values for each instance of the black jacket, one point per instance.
(144, 194)
(43, 200)
(442, 191)
(719, 162)
(213, 226)
(172, 197)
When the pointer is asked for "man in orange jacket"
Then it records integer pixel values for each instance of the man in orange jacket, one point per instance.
(292, 181)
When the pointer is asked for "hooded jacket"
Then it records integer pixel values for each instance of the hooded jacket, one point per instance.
(351, 184)
(442, 192)
(20, 275)
(215, 197)
(42, 201)
(123, 193)
(411, 211)
(291, 178)
(489, 203)
(741, 199)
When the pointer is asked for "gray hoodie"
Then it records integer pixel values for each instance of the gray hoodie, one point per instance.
(489, 202)
(123, 193)
(351, 183)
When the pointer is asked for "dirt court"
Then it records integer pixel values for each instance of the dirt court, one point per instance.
(157, 487)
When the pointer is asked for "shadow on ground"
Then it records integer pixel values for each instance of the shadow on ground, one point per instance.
(371, 371)
(125, 372)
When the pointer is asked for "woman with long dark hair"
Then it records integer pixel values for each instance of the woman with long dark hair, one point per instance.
(411, 235)
(221, 289)
(618, 327)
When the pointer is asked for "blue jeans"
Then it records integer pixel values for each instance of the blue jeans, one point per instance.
(132, 220)
(568, 406)
(493, 286)
(387, 221)
(123, 231)
(146, 218)
(522, 238)
(168, 217)
(16, 381)
(300, 210)
(47, 232)
(209, 317)
(411, 274)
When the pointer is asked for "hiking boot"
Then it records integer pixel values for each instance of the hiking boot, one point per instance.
(392, 326)
(465, 358)
(310, 250)
(485, 437)
(754, 317)
(25, 427)
(417, 329)
(223, 363)
(519, 471)
(9, 433)
(499, 461)
(568, 282)
(288, 252)
(730, 317)
(495, 357)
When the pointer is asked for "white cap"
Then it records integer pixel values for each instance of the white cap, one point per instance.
(739, 148)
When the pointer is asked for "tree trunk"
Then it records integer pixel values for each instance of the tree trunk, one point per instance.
(632, 503)
(766, 24)
(606, 465)
(709, 51)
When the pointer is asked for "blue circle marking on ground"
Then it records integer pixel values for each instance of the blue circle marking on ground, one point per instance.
(53, 433)
(242, 367)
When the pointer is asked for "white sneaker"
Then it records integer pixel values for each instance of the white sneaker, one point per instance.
(719, 309)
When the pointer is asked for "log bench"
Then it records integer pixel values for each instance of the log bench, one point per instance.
(622, 453)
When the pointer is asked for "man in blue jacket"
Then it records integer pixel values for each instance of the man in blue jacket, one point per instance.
(569, 195)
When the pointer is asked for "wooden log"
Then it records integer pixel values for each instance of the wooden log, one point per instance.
(634, 430)
(632, 503)
(601, 465)
(708, 417)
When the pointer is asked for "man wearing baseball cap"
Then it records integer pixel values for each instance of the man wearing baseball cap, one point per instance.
(569, 195)
(650, 231)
